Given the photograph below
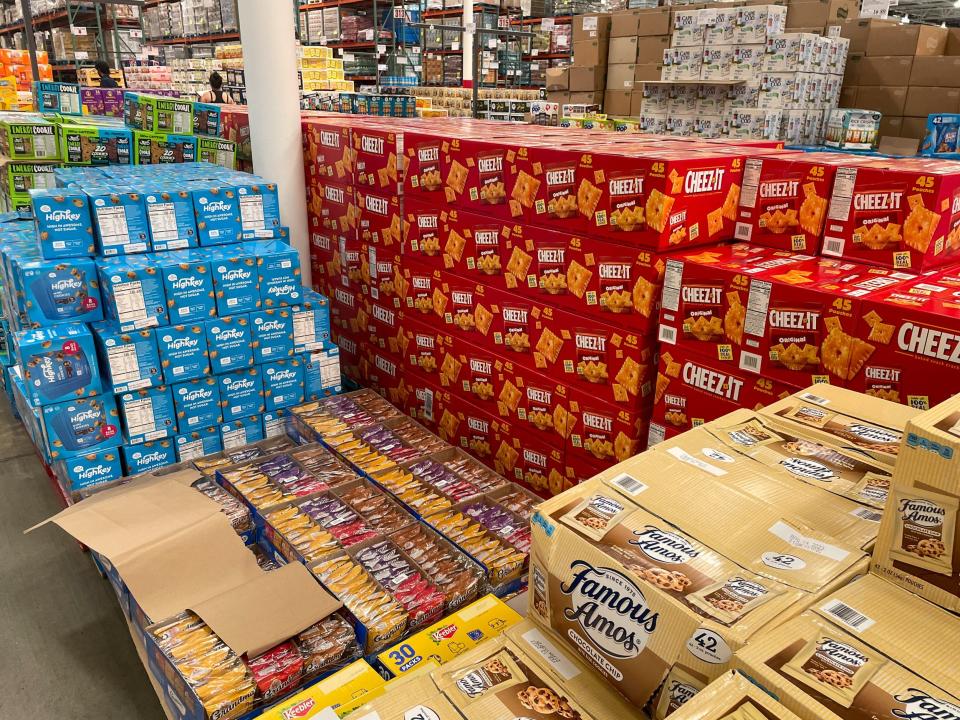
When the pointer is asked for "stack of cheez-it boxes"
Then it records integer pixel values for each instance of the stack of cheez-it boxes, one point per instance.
(503, 284)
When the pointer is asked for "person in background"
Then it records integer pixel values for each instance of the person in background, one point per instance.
(216, 94)
(103, 70)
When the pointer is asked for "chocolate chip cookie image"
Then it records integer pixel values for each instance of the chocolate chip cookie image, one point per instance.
(594, 523)
(929, 548)
(543, 701)
(665, 579)
(726, 605)
(496, 666)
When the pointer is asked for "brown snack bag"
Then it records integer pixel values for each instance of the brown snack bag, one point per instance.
(731, 599)
(925, 528)
(835, 668)
(595, 516)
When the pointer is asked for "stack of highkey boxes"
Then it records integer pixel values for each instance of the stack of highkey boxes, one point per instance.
(156, 315)
(743, 544)
(905, 71)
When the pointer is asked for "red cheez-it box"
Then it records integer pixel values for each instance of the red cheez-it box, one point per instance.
(901, 213)
(693, 389)
(784, 200)
(626, 192)
(913, 335)
(613, 282)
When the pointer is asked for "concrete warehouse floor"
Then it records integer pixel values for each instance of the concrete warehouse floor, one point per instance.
(65, 651)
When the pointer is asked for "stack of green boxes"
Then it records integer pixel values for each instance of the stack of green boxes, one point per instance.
(169, 130)
(29, 151)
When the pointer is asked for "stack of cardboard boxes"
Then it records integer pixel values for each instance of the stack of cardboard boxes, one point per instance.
(905, 71)
(637, 41)
(583, 82)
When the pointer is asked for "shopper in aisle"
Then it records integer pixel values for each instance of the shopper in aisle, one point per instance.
(103, 70)
(216, 94)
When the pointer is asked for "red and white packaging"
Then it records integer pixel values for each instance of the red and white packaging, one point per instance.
(783, 203)
(911, 336)
(901, 213)
(378, 217)
(378, 151)
(693, 389)
(602, 434)
(537, 402)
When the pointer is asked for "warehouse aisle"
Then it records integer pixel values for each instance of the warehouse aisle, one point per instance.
(66, 652)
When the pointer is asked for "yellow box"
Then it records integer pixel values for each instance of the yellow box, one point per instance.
(444, 640)
(343, 692)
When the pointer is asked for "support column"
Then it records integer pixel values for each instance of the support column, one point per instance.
(467, 42)
(273, 96)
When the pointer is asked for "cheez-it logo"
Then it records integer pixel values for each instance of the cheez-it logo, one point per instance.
(779, 189)
(794, 319)
(878, 201)
(703, 181)
(714, 382)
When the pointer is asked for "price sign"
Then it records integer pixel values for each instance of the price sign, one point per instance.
(78, 30)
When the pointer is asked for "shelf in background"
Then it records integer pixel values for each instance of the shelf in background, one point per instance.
(353, 45)
(457, 12)
(198, 40)
(546, 56)
(562, 20)
(329, 4)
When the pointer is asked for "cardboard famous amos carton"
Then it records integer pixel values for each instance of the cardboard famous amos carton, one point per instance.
(731, 697)
(868, 651)
(913, 332)
(526, 672)
(919, 548)
(902, 214)
(637, 580)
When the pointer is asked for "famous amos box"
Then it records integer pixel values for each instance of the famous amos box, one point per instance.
(120, 221)
(843, 418)
(869, 650)
(188, 285)
(731, 697)
(918, 544)
(184, 353)
(147, 414)
(528, 672)
(708, 459)
(911, 332)
(62, 220)
(671, 586)
(128, 360)
(171, 218)
(902, 213)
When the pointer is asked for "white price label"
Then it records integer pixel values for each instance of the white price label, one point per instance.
(382, 49)
(547, 24)
(382, 67)
(136, 33)
(78, 30)
(348, 57)
(81, 55)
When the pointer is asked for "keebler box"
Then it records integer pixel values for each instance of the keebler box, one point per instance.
(902, 214)
(450, 637)
(784, 200)
(345, 690)
(583, 274)
(692, 389)
(869, 650)
(658, 565)
(909, 335)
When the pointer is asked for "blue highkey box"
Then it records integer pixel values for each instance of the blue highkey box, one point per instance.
(77, 427)
(129, 360)
(58, 363)
(183, 352)
(147, 414)
(188, 285)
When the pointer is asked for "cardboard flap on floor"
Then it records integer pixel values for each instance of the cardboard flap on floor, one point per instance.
(176, 550)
